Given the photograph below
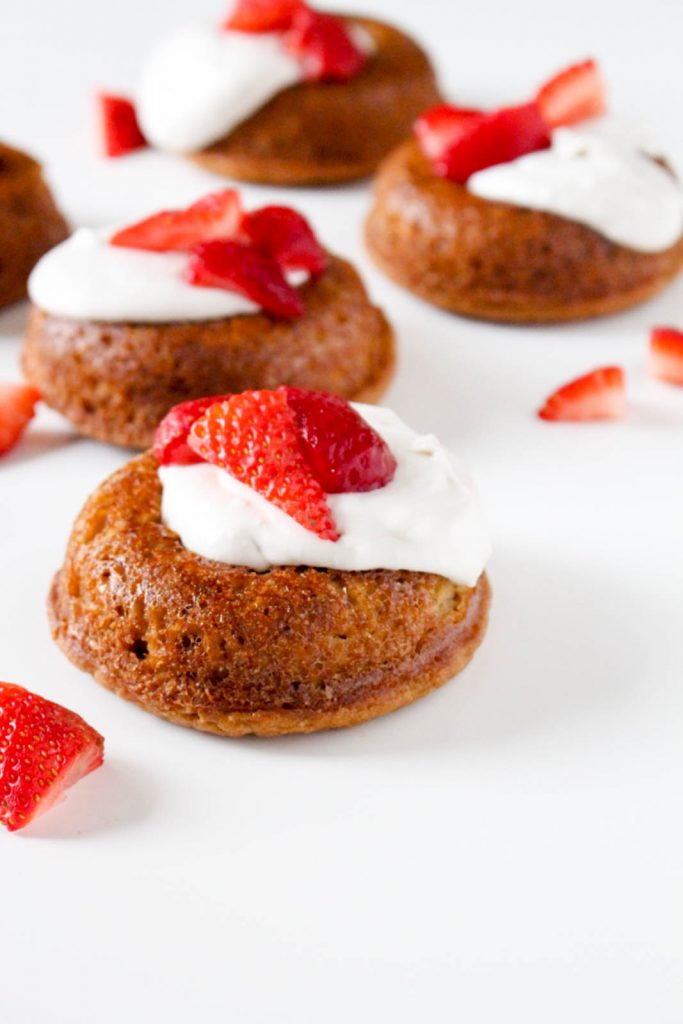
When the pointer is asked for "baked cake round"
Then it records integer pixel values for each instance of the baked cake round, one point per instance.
(30, 223)
(496, 261)
(230, 650)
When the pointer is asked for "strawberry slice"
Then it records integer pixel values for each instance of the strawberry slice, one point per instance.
(666, 354)
(218, 215)
(170, 439)
(121, 132)
(324, 46)
(44, 749)
(343, 452)
(17, 408)
(254, 437)
(573, 95)
(248, 271)
(262, 15)
(471, 141)
(286, 236)
(599, 395)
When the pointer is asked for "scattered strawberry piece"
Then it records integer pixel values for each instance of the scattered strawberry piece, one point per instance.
(463, 142)
(253, 435)
(343, 452)
(248, 271)
(218, 215)
(121, 132)
(17, 407)
(44, 749)
(573, 95)
(666, 354)
(262, 15)
(324, 46)
(170, 439)
(286, 236)
(599, 395)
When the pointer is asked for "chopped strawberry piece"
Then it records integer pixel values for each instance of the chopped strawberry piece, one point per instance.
(574, 95)
(286, 236)
(666, 354)
(254, 437)
(170, 439)
(343, 452)
(440, 127)
(473, 142)
(121, 132)
(599, 395)
(218, 215)
(262, 15)
(44, 749)
(324, 46)
(248, 271)
(17, 407)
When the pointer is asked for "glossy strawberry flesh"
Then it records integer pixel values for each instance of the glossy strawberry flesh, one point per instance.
(666, 354)
(440, 127)
(17, 408)
(218, 215)
(262, 15)
(253, 436)
(44, 749)
(120, 129)
(573, 95)
(343, 452)
(286, 236)
(324, 47)
(598, 395)
(170, 440)
(248, 271)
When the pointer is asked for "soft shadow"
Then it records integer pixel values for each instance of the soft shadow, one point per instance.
(13, 320)
(38, 442)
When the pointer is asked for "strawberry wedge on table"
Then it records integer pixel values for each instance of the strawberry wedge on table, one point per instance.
(121, 133)
(17, 408)
(598, 395)
(666, 354)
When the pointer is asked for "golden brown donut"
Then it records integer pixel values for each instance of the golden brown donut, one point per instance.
(233, 651)
(30, 223)
(495, 261)
(115, 381)
(319, 133)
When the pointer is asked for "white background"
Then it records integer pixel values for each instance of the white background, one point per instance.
(507, 849)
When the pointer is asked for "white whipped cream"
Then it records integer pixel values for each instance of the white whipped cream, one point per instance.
(86, 278)
(199, 83)
(596, 180)
(426, 520)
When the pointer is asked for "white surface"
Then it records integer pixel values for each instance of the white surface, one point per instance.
(508, 849)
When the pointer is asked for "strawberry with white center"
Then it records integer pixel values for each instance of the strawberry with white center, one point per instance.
(217, 215)
(44, 749)
(666, 354)
(17, 408)
(573, 95)
(598, 395)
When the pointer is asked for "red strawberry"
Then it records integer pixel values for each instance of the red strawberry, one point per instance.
(286, 236)
(600, 395)
(170, 439)
(574, 95)
(248, 271)
(262, 15)
(343, 452)
(474, 141)
(254, 437)
(44, 749)
(120, 129)
(218, 215)
(17, 407)
(324, 46)
(666, 354)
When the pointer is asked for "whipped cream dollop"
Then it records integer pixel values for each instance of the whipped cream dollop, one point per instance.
(86, 278)
(597, 180)
(199, 83)
(427, 519)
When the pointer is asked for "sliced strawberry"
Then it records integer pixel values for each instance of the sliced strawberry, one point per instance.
(666, 354)
(254, 437)
(170, 439)
(218, 215)
(324, 46)
(17, 407)
(262, 15)
(44, 749)
(248, 271)
(343, 452)
(474, 141)
(286, 236)
(121, 132)
(574, 95)
(599, 395)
